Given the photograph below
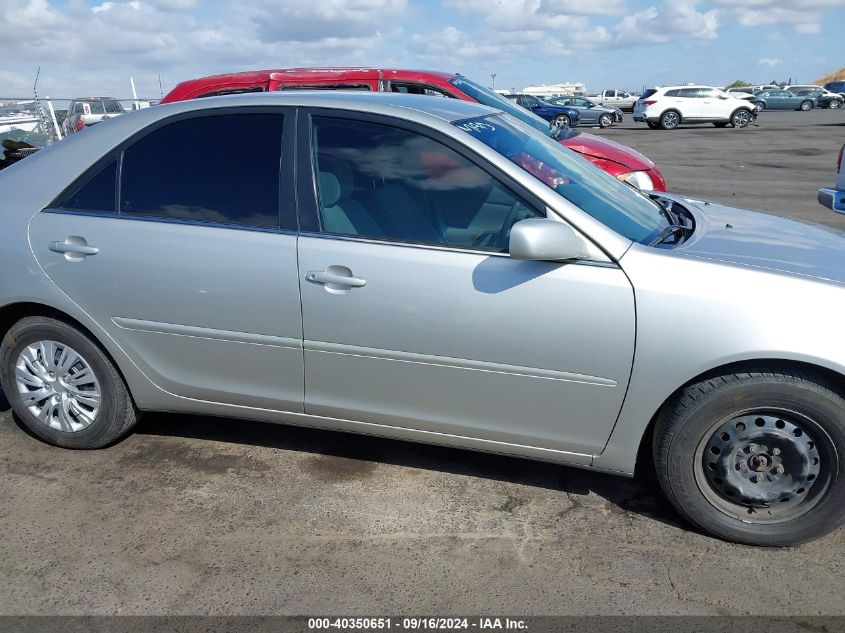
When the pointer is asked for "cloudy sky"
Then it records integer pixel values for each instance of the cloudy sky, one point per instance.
(86, 47)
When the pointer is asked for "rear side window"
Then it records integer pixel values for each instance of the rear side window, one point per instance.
(650, 92)
(671, 93)
(96, 193)
(221, 169)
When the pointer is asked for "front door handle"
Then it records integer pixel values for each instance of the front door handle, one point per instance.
(74, 248)
(331, 278)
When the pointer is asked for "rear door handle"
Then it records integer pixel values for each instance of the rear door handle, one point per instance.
(337, 279)
(74, 248)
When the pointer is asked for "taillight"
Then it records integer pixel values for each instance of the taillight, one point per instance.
(79, 125)
(649, 102)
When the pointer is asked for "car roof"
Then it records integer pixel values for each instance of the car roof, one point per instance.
(681, 87)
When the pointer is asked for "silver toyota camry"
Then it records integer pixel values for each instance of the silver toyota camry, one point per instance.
(431, 270)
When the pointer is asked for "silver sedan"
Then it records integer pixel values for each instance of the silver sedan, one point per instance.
(431, 270)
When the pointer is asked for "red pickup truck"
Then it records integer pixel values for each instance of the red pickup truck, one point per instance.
(616, 159)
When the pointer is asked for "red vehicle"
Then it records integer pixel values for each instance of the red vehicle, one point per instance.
(616, 159)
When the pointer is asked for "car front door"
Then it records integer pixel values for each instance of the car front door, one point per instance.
(191, 265)
(415, 317)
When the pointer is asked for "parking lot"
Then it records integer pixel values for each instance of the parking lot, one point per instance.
(195, 515)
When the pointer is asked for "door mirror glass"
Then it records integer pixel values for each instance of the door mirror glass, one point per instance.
(547, 240)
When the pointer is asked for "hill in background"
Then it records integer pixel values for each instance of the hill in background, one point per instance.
(837, 75)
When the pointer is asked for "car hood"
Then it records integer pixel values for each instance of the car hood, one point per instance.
(765, 241)
(604, 148)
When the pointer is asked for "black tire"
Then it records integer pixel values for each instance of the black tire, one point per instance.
(834, 103)
(669, 120)
(605, 120)
(653, 124)
(721, 124)
(806, 106)
(760, 105)
(696, 420)
(741, 118)
(116, 414)
(562, 120)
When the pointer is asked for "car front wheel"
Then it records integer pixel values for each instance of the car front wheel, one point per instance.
(835, 103)
(605, 120)
(62, 386)
(756, 457)
(741, 118)
(760, 105)
(561, 120)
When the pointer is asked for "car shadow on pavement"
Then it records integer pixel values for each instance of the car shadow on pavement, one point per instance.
(640, 495)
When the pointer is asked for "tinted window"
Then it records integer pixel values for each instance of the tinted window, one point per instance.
(671, 93)
(689, 93)
(610, 93)
(96, 193)
(387, 183)
(113, 107)
(214, 169)
(416, 89)
(325, 87)
(651, 91)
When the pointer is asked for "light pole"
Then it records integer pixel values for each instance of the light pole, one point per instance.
(493, 79)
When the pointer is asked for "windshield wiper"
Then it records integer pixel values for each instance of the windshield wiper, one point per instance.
(668, 232)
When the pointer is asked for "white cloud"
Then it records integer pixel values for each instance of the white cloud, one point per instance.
(771, 62)
(804, 16)
(670, 21)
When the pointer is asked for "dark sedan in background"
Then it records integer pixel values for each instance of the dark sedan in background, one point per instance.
(559, 115)
(591, 113)
(782, 100)
(822, 98)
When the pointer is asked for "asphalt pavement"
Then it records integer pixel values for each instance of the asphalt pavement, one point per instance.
(195, 515)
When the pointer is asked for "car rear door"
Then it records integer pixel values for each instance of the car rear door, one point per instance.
(181, 244)
(415, 318)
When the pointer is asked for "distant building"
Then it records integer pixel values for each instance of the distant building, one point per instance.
(556, 90)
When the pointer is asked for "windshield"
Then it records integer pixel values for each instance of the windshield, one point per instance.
(487, 97)
(611, 202)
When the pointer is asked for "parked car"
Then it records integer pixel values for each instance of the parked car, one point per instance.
(782, 100)
(561, 116)
(388, 263)
(615, 158)
(666, 108)
(821, 98)
(591, 114)
(617, 98)
(84, 112)
(836, 86)
(835, 198)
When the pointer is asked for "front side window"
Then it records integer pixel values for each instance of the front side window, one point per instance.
(416, 89)
(337, 86)
(387, 183)
(616, 205)
(220, 169)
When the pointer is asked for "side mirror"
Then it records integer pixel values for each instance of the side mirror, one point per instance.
(546, 240)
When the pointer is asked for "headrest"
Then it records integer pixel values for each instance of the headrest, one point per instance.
(336, 180)
(329, 189)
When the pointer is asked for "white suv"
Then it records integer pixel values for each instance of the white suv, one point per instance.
(668, 107)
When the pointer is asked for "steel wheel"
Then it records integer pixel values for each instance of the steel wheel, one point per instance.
(765, 466)
(58, 386)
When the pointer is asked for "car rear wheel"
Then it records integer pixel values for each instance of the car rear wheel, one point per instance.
(756, 457)
(806, 105)
(561, 120)
(741, 118)
(605, 120)
(62, 386)
(670, 120)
